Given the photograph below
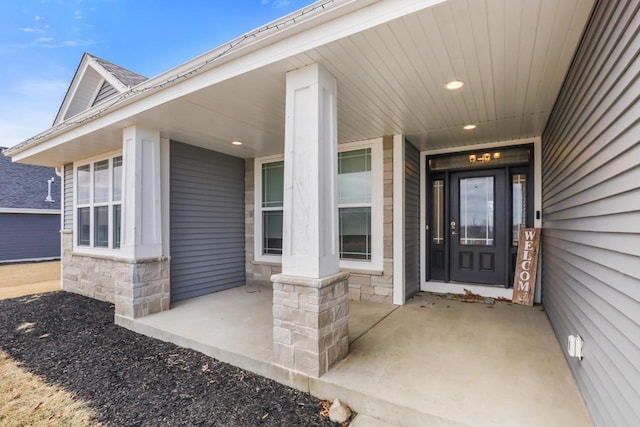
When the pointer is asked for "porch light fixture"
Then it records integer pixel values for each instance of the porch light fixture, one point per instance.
(480, 158)
(497, 155)
(236, 143)
(454, 85)
(469, 127)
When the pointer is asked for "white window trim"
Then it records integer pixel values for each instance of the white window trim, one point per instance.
(90, 250)
(377, 208)
(257, 210)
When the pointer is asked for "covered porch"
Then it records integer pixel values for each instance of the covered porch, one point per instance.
(433, 361)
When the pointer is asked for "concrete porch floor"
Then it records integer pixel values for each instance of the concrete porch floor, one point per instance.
(432, 362)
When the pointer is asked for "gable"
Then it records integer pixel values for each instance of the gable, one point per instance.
(95, 81)
(106, 90)
(85, 93)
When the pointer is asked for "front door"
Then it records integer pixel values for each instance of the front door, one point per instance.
(476, 203)
(477, 227)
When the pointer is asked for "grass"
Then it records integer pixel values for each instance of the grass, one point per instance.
(27, 400)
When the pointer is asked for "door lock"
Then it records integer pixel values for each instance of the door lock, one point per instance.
(452, 226)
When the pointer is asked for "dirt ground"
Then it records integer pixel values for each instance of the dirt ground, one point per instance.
(29, 278)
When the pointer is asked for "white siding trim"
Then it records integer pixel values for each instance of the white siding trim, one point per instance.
(399, 284)
(257, 209)
(165, 190)
(423, 220)
(30, 211)
(9, 261)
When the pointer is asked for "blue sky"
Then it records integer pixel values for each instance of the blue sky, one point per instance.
(42, 42)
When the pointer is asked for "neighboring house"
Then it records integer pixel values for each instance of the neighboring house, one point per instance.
(29, 212)
(323, 152)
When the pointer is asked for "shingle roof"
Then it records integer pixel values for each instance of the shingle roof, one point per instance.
(128, 77)
(25, 186)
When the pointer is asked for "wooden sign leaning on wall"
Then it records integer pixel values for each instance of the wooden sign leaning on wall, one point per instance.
(524, 281)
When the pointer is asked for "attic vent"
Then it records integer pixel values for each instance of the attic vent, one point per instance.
(105, 92)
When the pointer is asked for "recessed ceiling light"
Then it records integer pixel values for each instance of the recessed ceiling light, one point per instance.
(469, 127)
(237, 143)
(454, 84)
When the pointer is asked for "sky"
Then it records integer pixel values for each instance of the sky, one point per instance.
(42, 42)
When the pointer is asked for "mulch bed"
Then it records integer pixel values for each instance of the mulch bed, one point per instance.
(133, 380)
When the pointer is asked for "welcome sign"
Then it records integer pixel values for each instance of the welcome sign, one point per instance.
(524, 282)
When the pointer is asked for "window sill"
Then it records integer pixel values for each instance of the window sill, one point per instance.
(116, 258)
(372, 272)
(348, 269)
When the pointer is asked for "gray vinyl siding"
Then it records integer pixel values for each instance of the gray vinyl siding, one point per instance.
(207, 221)
(29, 237)
(591, 213)
(67, 198)
(106, 90)
(411, 219)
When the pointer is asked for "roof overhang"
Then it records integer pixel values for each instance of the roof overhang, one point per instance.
(391, 59)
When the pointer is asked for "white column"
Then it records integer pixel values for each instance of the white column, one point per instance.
(310, 232)
(142, 213)
(310, 297)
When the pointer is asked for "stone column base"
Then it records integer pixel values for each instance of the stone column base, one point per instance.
(310, 322)
(143, 288)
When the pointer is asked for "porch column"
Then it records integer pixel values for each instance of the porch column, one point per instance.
(142, 284)
(310, 306)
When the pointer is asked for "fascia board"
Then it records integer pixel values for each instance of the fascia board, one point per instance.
(113, 81)
(73, 87)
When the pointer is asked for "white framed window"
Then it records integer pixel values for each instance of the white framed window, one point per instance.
(360, 206)
(269, 190)
(98, 204)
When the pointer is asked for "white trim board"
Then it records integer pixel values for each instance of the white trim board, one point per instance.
(399, 279)
(30, 211)
(25, 260)
(459, 288)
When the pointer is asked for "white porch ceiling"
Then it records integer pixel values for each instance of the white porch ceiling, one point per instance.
(512, 56)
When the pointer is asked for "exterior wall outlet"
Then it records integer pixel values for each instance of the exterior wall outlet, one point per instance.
(574, 346)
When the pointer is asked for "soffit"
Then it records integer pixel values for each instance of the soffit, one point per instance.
(511, 55)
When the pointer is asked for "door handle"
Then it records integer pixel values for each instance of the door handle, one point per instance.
(452, 226)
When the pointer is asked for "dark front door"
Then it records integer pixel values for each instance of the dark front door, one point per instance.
(477, 227)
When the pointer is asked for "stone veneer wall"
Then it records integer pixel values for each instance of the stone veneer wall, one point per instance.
(363, 285)
(137, 288)
(310, 322)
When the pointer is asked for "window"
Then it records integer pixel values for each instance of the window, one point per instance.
(354, 204)
(99, 203)
(437, 212)
(360, 206)
(519, 209)
(272, 195)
